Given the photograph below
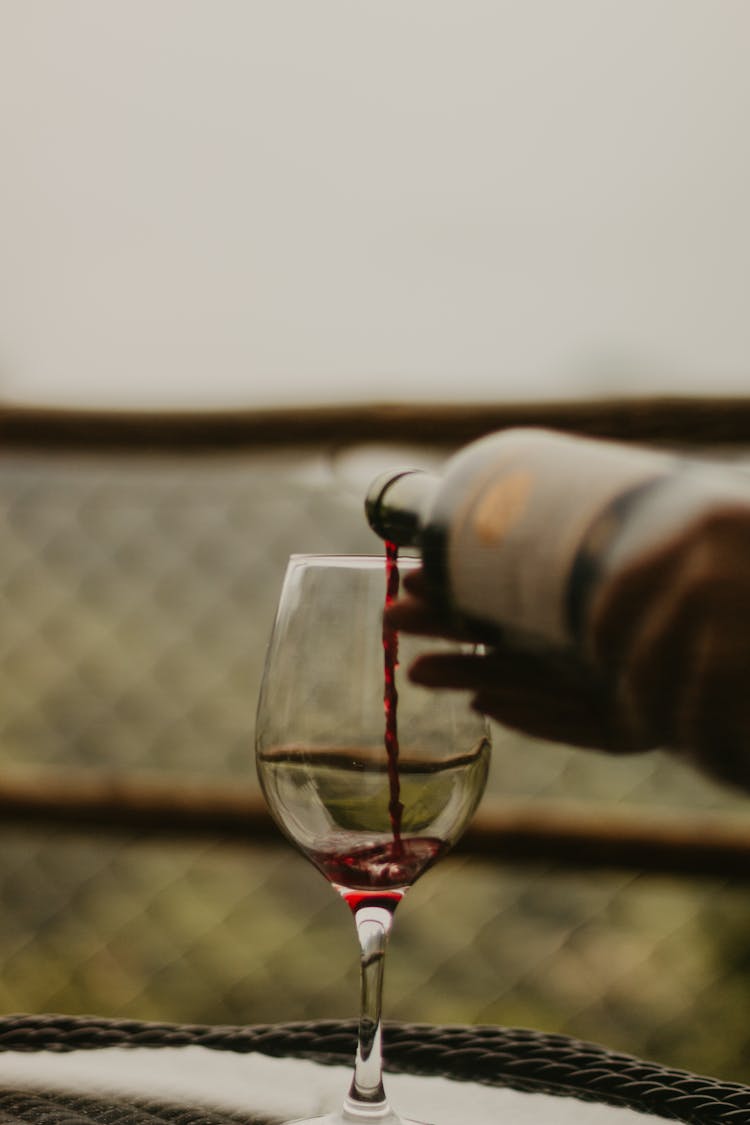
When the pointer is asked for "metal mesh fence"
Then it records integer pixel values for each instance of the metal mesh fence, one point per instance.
(137, 597)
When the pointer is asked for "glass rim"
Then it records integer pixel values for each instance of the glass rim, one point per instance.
(354, 561)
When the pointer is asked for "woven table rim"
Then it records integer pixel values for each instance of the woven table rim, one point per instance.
(519, 1058)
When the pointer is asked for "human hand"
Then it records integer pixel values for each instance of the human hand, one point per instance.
(544, 695)
(667, 660)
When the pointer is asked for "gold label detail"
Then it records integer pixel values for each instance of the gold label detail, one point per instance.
(500, 508)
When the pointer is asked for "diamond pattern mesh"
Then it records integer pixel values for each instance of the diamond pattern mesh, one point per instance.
(137, 597)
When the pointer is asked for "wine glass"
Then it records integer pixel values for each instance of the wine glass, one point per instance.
(370, 776)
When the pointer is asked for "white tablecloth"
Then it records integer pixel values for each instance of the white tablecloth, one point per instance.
(286, 1088)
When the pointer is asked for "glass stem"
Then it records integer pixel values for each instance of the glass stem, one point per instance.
(366, 1099)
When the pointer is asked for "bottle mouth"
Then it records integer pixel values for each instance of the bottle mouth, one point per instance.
(374, 505)
(393, 505)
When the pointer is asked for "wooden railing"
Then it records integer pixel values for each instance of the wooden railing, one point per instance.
(581, 836)
(689, 421)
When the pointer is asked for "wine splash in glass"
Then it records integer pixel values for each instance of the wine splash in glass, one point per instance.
(372, 800)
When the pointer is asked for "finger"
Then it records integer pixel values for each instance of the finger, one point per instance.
(474, 671)
(537, 672)
(564, 721)
(413, 615)
(413, 582)
(556, 700)
(583, 720)
(460, 671)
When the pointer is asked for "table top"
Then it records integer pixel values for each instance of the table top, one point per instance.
(80, 1071)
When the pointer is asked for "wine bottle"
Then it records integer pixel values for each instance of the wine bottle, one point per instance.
(520, 528)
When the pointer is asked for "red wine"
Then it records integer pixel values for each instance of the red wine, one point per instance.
(380, 867)
(390, 699)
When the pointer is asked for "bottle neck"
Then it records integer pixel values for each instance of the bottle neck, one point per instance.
(397, 503)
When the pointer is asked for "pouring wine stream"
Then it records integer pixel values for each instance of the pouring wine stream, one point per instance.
(390, 699)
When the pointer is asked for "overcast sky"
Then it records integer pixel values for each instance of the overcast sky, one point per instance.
(235, 202)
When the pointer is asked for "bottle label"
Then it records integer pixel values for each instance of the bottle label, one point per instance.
(514, 540)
